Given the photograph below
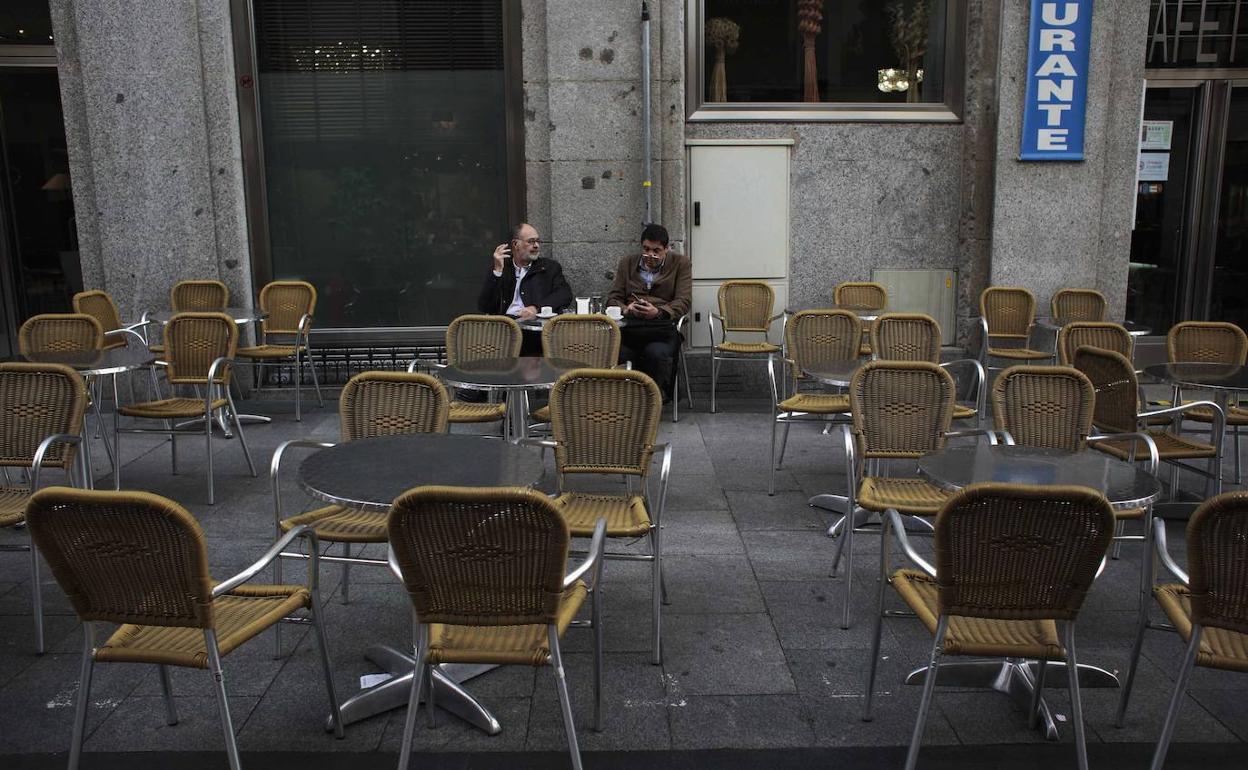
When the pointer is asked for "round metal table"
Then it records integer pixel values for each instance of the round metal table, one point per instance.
(241, 315)
(370, 474)
(837, 373)
(863, 313)
(1123, 484)
(1133, 328)
(514, 377)
(539, 323)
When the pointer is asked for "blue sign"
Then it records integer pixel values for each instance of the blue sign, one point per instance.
(1057, 80)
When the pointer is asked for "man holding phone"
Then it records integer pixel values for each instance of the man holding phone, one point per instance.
(521, 281)
(654, 289)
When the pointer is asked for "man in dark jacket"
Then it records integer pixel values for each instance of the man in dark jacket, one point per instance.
(522, 285)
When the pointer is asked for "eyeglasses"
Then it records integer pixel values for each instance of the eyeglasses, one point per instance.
(529, 241)
(652, 253)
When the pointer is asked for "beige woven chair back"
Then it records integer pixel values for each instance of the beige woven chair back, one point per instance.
(1216, 535)
(746, 306)
(1206, 342)
(605, 421)
(481, 337)
(190, 296)
(861, 295)
(37, 401)
(1009, 310)
(376, 404)
(1095, 334)
(194, 341)
(1117, 390)
(285, 303)
(591, 340)
(60, 333)
(101, 307)
(906, 337)
(480, 557)
(1044, 406)
(1016, 552)
(901, 409)
(822, 335)
(124, 557)
(1077, 305)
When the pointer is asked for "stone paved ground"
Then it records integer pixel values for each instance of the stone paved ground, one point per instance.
(754, 656)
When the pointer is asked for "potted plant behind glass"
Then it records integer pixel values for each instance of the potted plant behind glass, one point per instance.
(810, 24)
(725, 36)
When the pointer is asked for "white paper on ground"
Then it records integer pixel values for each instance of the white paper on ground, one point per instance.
(372, 680)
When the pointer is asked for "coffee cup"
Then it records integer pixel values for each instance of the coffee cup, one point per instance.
(547, 310)
(615, 312)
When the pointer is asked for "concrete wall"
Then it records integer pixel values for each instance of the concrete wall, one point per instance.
(151, 119)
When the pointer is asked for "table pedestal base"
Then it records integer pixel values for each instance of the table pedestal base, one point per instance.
(393, 693)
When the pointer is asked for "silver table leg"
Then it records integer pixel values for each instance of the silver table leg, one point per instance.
(834, 503)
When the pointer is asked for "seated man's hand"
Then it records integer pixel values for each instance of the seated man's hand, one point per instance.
(528, 313)
(643, 309)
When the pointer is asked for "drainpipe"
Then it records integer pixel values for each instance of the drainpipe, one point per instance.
(646, 184)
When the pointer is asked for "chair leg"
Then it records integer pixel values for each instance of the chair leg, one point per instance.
(684, 365)
(869, 696)
(771, 465)
(1076, 701)
(90, 467)
(656, 594)
(166, 689)
(277, 627)
(1119, 527)
(1176, 700)
(430, 704)
(208, 418)
(307, 360)
(714, 379)
(36, 597)
(595, 605)
(847, 549)
(346, 574)
(1125, 696)
(84, 694)
(322, 644)
(298, 375)
(1033, 713)
(413, 699)
(676, 395)
(238, 431)
(223, 703)
(929, 686)
(561, 682)
(1239, 477)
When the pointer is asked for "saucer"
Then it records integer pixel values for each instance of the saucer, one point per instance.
(546, 316)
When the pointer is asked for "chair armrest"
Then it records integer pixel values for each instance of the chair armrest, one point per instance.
(991, 433)
(981, 380)
(1154, 459)
(212, 379)
(593, 560)
(1219, 416)
(36, 465)
(665, 472)
(680, 322)
(305, 322)
(422, 363)
(275, 467)
(225, 586)
(545, 443)
(1163, 552)
(899, 529)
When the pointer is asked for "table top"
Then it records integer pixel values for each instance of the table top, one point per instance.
(1124, 484)
(537, 324)
(370, 473)
(833, 372)
(1133, 328)
(242, 315)
(1198, 375)
(866, 314)
(527, 372)
(97, 362)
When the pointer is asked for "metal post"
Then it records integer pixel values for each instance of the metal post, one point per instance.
(646, 138)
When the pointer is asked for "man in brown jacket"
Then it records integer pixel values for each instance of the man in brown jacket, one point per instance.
(654, 288)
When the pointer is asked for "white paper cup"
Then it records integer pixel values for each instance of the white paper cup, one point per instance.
(615, 312)
(547, 310)
(582, 305)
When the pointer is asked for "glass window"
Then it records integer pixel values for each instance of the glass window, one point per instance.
(25, 22)
(823, 54)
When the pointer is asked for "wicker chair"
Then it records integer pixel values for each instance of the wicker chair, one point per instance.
(589, 340)
(484, 569)
(606, 422)
(288, 307)
(744, 307)
(1096, 334)
(1068, 305)
(60, 333)
(1213, 343)
(372, 404)
(203, 295)
(478, 338)
(42, 408)
(1007, 314)
(1012, 562)
(1208, 607)
(916, 337)
(810, 336)
(861, 295)
(100, 306)
(141, 561)
(201, 347)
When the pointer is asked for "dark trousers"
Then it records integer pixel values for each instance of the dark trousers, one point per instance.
(652, 348)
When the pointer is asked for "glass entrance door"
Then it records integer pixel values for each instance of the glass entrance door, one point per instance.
(1228, 292)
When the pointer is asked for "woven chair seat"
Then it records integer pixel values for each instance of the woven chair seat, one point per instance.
(13, 505)
(465, 411)
(747, 347)
(1169, 446)
(518, 645)
(978, 636)
(1236, 415)
(1219, 647)
(542, 414)
(171, 407)
(336, 524)
(961, 412)
(239, 616)
(816, 403)
(908, 496)
(626, 516)
(270, 351)
(115, 340)
(1021, 354)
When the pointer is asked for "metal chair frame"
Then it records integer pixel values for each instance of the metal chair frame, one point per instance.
(303, 357)
(683, 368)
(718, 356)
(987, 334)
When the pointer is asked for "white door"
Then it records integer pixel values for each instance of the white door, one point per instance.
(739, 211)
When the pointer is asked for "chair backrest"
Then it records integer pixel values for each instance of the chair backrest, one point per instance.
(863, 295)
(1009, 311)
(124, 557)
(101, 307)
(391, 403)
(1117, 390)
(1206, 342)
(193, 341)
(493, 556)
(285, 303)
(1096, 334)
(822, 335)
(592, 340)
(1044, 406)
(605, 421)
(746, 306)
(37, 401)
(1016, 552)
(60, 333)
(481, 337)
(1077, 305)
(1216, 534)
(906, 337)
(188, 296)
(901, 409)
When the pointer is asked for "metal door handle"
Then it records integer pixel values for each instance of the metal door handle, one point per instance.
(697, 213)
